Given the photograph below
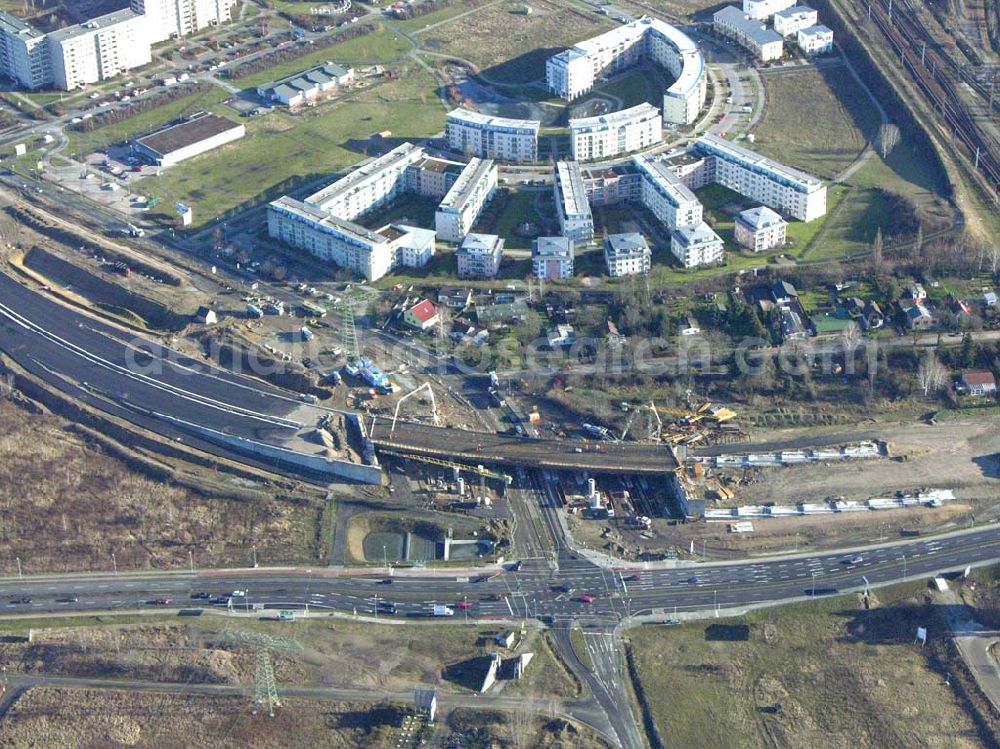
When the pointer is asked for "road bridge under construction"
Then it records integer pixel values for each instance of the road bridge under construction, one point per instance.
(511, 450)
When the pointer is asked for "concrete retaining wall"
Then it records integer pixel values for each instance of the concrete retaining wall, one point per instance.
(364, 474)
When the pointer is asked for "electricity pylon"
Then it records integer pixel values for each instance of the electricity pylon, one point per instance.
(265, 688)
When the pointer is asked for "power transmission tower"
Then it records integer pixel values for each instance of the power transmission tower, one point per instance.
(265, 688)
(348, 333)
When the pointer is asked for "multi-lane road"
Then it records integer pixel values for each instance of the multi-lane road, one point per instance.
(550, 591)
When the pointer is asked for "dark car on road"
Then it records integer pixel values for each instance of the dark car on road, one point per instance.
(15, 601)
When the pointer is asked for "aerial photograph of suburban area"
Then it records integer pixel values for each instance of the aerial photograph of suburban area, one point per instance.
(499, 374)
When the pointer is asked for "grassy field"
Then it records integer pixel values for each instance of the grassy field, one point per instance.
(797, 101)
(306, 148)
(842, 676)
(509, 46)
(855, 212)
(643, 84)
(66, 506)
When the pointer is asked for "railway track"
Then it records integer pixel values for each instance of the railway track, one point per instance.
(940, 79)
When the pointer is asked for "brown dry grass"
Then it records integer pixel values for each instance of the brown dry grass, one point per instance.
(65, 505)
(334, 653)
(73, 719)
(510, 47)
(844, 677)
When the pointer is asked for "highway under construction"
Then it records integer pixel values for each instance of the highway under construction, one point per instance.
(486, 448)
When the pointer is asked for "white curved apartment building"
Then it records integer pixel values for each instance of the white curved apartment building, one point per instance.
(607, 135)
(575, 71)
(489, 137)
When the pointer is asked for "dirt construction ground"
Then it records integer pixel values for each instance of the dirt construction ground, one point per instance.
(961, 455)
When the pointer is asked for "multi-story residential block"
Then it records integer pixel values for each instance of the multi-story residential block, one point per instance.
(432, 177)
(172, 18)
(575, 71)
(696, 245)
(488, 137)
(552, 258)
(480, 256)
(815, 40)
(750, 33)
(790, 21)
(786, 190)
(368, 253)
(663, 193)
(761, 10)
(101, 48)
(612, 185)
(633, 129)
(24, 53)
(575, 219)
(689, 167)
(368, 186)
(465, 200)
(627, 254)
(760, 229)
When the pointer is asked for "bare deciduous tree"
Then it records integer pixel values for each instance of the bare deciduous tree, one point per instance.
(931, 374)
(888, 139)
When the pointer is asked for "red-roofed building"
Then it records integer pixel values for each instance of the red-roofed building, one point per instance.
(979, 382)
(422, 315)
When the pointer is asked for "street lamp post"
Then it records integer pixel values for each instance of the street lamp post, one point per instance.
(254, 550)
(813, 573)
(904, 566)
(19, 573)
(114, 563)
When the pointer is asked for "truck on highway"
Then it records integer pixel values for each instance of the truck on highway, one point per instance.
(443, 611)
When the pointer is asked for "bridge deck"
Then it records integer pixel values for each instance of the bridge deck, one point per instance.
(506, 449)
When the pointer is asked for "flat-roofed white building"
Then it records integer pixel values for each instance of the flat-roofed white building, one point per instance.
(194, 136)
(815, 40)
(760, 229)
(576, 222)
(489, 137)
(365, 252)
(24, 53)
(575, 71)
(98, 49)
(182, 17)
(663, 193)
(480, 256)
(606, 135)
(750, 33)
(552, 258)
(368, 186)
(789, 21)
(465, 200)
(789, 191)
(696, 245)
(627, 255)
(761, 10)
